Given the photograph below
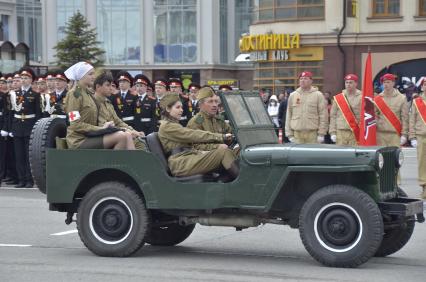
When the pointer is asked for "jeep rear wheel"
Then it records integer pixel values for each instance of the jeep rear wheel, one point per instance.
(341, 226)
(112, 220)
(397, 237)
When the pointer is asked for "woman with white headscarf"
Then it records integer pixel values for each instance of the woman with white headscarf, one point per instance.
(273, 107)
(84, 131)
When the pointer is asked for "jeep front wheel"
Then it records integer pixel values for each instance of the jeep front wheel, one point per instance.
(341, 226)
(112, 220)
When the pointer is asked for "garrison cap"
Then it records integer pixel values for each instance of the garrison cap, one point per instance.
(142, 79)
(168, 100)
(205, 92)
(387, 76)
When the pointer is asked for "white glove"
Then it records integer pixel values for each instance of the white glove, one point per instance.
(4, 133)
(292, 139)
(403, 140)
(11, 134)
(414, 143)
(320, 139)
(333, 138)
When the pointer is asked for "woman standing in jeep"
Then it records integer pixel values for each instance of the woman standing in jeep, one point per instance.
(177, 142)
(84, 131)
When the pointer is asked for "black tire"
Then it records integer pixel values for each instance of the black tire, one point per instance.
(43, 137)
(341, 226)
(112, 220)
(169, 234)
(396, 238)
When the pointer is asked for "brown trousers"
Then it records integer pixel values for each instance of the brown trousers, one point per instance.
(306, 137)
(345, 138)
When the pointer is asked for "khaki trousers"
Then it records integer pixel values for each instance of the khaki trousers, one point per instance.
(388, 139)
(421, 159)
(345, 138)
(306, 137)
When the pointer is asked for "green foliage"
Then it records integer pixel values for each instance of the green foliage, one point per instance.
(79, 44)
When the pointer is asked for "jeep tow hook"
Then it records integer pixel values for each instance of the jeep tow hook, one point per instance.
(69, 219)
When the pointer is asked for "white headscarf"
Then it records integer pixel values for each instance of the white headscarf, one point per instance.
(78, 70)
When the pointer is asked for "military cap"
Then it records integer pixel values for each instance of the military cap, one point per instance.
(225, 87)
(3, 79)
(174, 82)
(205, 92)
(41, 79)
(142, 79)
(61, 76)
(9, 77)
(306, 74)
(387, 76)
(168, 100)
(194, 86)
(16, 75)
(161, 82)
(50, 75)
(351, 76)
(124, 75)
(28, 72)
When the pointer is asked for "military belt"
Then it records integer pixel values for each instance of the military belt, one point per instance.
(58, 116)
(128, 118)
(145, 119)
(179, 150)
(24, 116)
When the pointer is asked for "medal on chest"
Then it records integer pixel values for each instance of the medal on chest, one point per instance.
(190, 106)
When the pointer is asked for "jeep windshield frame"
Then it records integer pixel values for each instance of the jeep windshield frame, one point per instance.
(248, 117)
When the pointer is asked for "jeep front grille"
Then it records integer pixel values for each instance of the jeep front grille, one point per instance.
(388, 174)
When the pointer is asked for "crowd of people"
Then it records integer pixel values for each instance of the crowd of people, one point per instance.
(112, 113)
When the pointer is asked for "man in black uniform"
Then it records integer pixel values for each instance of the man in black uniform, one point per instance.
(124, 102)
(146, 118)
(11, 173)
(160, 87)
(27, 111)
(3, 122)
(176, 86)
(57, 98)
(194, 108)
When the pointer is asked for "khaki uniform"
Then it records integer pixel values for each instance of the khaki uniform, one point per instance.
(307, 116)
(386, 133)
(80, 100)
(418, 132)
(338, 123)
(203, 121)
(172, 135)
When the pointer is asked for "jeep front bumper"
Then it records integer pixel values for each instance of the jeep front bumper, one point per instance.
(403, 207)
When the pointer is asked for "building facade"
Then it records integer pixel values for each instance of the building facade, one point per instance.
(189, 39)
(332, 38)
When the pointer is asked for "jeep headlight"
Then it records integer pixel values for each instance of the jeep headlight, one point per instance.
(380, 160)
(399, 158)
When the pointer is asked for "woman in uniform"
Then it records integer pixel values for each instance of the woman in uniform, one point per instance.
(84, 131)
(177, 142)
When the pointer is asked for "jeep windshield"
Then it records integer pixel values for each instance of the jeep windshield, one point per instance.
(249, 118)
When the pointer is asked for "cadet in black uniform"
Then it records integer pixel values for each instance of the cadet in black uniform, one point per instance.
(146, 119)
(57, 98)
(176, 86)
(160, 87)
(124, 102)
(11, 174)
(194, 108)
(3, 122)
(27, 111)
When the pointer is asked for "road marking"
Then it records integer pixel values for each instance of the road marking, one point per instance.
(14, 245)
(64, 233)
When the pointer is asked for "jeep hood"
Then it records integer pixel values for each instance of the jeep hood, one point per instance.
(312, 154)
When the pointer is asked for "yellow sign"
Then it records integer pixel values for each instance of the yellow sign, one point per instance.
(230, 82)
(295, 55)
(264, 42)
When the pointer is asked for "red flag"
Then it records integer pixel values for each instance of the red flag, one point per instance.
(367, 124)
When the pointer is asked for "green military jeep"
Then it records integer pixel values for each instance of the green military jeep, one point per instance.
(345, 201)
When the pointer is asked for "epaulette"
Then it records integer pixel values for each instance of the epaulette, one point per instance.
(199, 119)
(184, 96)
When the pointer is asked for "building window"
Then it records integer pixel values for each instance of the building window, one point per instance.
(282, 10)
(278, 76)
(386, 8)
(4, 27)
(28, 13)
(119, 28)
(422, 8)
(175, 25)
(65, 9)
(243, 20)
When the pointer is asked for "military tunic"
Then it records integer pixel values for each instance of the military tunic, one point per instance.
(203, 121)
(186, 115)
(338, 124)
(125, 107)
(307, 116)
(146, 114)
(386, 133)
(172, 135)
(418, 131)
(56, 104)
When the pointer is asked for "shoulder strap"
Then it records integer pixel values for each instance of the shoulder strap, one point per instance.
(389, 115)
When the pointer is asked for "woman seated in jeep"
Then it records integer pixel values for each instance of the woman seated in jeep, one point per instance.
(84, 131)
(177, 142)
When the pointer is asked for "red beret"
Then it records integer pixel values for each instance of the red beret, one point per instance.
(387, 76)
(351, 76)
(306, 74)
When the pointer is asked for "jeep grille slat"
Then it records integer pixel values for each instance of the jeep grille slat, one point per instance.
(389, 172)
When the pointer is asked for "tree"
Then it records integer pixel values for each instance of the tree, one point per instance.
(79, 44)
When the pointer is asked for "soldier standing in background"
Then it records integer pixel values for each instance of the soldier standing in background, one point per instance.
(124, 102)
(417, 125)
(44, 96)
(146, 119)
(57, 98)
(176, 86)
(50, 82)
(345, 113)
(27, 112)
(306, 118)
(3, 123)
(194, 107)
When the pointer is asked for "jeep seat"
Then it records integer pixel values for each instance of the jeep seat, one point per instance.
(156, 149)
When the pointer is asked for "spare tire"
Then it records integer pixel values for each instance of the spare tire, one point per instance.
(43, 136)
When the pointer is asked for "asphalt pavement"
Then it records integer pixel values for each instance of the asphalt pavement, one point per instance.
(36, 245)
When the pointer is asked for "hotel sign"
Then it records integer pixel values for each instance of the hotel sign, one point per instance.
(265, 42)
